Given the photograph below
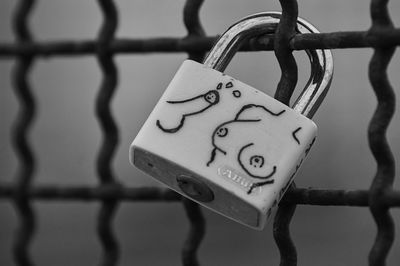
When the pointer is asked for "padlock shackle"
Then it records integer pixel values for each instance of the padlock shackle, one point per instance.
(263, 23)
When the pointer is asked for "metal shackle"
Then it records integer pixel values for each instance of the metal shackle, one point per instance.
(263, 23)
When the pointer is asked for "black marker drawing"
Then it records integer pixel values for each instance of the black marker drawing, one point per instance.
(309, 146)
(229, 85)
(194, 106)
(236, 93)
(254, 107)
(211, 98)
(255, 161)
(297, 168)
(239, 135)
(294, 134)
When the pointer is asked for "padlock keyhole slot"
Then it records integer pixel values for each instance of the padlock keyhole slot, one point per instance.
(189, 189)
(195, 188)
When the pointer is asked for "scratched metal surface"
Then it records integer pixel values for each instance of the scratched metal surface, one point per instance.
(111, 193)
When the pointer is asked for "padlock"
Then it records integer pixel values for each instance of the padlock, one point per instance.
(224, 144)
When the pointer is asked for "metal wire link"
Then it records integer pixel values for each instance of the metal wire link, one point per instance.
(26, 229)
(384, 178)
(287, 83)
(110, 131)
(332, 40)
(382, 36)
(302, 196)
(193, 211)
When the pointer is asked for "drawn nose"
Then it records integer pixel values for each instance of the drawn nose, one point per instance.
(212, 97)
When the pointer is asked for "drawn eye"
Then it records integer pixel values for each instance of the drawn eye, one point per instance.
(222, 132)
(257, 161)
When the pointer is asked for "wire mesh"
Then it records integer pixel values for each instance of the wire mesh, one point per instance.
(382, 36)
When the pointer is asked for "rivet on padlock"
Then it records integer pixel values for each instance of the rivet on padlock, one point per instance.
(225, 144)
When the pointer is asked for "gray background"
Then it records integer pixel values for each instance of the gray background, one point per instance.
(66, 138)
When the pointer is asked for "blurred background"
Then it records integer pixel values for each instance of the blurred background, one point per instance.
(66, 137)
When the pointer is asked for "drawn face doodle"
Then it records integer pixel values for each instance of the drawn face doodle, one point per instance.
(195, 106)
(240, 138)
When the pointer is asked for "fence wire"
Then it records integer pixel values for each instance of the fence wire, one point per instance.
(382, 36)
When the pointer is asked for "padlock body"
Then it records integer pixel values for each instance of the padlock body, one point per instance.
(222, 143)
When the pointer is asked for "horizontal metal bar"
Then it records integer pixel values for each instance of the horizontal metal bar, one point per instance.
(304, 196)
(88, 47)
(350, 39)
(102, 192)
(194, 44)
(326, 197)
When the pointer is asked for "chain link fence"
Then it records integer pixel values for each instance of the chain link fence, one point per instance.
(382, 36)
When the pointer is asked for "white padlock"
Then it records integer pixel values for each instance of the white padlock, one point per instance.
(224, 144)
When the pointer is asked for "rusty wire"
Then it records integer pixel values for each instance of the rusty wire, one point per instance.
(191, 19)
(284, 33)
(332, 40)
(110, 131)
(26, 229)
(383, 180)
(300, 196)
(382, 36)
